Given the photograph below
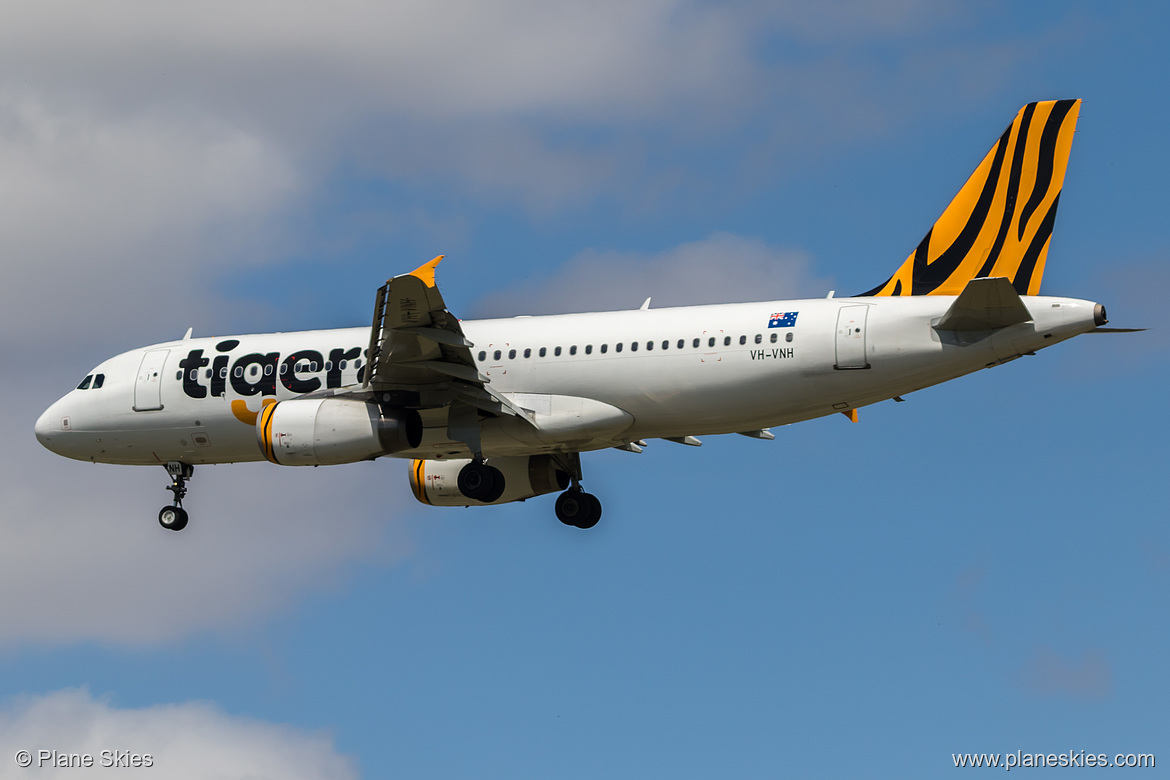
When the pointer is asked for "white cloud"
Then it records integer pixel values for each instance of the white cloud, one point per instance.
(722, 268)
(485, 92)
(190, 740)
(445, 58)
(113, 219)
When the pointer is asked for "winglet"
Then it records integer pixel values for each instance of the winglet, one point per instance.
(1000, 222)
(851, 414)
(426, 271)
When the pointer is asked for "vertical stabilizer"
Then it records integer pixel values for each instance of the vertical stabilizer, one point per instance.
(1000, 222)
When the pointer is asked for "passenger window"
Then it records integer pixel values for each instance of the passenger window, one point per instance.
(573, 350)
(268, 370)
(254, 370)
(588, 349)
(681, 342)
(773, 338)
(496, 355)
(283, 370)
(557, 352)
(328, 367)
(207, 374)
(695, 344)
(85, 382)
(742, 340)
(341, 365)
(788, 336)
(482, 356)
(604, 348)
(543, 351)
(633, 346)
(239, 372)
(194, 375)
(511, 354)
(178, 375)
(98, 380)
(617, 347)
(223, 371)
(727, 341)
(528, 352)
(313, 366)
(649, 345)
(759, 338)
(711, 342)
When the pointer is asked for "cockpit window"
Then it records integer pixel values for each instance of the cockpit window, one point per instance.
(98, 380)
(85, 383)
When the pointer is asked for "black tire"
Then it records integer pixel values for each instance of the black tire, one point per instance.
(481, 482)
(594, 511)
(499, 484)
(172, 518)
(578, 509)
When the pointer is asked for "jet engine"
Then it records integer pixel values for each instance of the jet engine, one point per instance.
(327, 431)
(436, 482)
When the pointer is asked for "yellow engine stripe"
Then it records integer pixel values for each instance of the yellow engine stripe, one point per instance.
(418, 480)
(269, 448)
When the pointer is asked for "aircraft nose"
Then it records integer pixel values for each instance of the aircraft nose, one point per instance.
(49, 425)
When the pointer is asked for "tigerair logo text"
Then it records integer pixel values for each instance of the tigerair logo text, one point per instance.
(257, 373)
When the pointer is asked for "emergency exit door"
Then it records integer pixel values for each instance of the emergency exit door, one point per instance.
(851, 337)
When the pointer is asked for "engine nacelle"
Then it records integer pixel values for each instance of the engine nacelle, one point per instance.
(327, 431)
(436, 481)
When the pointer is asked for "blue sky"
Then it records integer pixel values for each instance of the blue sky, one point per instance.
(984, 568)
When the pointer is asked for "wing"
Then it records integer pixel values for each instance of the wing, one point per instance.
(418, 354)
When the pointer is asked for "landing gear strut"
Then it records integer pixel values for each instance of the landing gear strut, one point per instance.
(575, 507)
(174, 517)
(481, 482)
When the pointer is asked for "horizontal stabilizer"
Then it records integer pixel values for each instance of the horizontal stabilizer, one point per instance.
(985, 304)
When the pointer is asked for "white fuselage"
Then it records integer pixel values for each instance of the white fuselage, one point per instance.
(694, 370)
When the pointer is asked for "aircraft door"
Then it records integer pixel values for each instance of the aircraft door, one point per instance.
(851, 337)
(148, 385)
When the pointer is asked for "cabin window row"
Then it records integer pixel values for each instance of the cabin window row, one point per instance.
(254, 370)
(633, 345)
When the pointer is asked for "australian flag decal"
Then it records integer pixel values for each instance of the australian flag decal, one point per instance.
(783, 319)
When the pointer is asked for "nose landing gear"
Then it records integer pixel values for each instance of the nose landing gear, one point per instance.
(174, 517)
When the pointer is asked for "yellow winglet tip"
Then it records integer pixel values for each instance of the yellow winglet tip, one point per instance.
(851, 414)
(426, 271)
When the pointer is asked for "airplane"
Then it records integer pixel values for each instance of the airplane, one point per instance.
(500, 410)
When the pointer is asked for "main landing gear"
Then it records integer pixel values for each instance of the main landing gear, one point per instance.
(575, 507)
(174, 517)
(481, 482)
